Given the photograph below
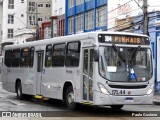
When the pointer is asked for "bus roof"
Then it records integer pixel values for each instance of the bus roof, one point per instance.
(69, 38)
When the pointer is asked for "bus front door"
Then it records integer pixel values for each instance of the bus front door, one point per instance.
(39, 72)
(88, 60)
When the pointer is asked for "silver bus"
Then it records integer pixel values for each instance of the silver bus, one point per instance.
(96, 68)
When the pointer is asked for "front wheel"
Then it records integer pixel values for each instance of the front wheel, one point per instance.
(70, 98)
(19, 91)
(116, 106)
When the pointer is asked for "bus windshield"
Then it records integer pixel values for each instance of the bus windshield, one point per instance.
(124, 64)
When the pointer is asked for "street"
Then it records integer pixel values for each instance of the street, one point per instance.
(55, 108)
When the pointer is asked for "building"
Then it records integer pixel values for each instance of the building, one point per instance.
(21, 19)
(85, 16)
(58, 18)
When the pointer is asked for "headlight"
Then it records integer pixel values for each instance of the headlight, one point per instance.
(102, 88)
(149, 91)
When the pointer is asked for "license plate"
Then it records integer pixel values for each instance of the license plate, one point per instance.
(129, 100)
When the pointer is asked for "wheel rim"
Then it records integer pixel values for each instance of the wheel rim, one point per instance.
(70, 98)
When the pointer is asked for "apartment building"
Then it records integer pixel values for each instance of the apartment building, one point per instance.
(85, 16)
(21, 19)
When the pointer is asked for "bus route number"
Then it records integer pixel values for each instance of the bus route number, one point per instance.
(118, 92)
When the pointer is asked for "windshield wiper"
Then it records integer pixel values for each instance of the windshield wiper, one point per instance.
(119, 53)
(135, 52)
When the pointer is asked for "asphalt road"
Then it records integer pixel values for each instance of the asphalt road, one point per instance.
(55, 109)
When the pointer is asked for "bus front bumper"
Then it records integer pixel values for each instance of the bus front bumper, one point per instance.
(103, 99)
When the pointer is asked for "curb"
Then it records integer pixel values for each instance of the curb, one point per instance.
(156, 102)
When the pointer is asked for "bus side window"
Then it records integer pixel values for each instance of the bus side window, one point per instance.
(48, 57)
(58, 55)
(8, 58)
(25, 57)
(73, 54)
(31, 57)
(16, 58)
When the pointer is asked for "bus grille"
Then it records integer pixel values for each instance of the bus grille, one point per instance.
(128, 87)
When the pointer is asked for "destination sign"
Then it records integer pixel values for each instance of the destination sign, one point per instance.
(123, 39)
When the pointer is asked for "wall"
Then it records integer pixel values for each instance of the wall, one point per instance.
(56, 5)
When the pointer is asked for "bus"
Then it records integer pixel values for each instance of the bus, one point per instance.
(96, 68)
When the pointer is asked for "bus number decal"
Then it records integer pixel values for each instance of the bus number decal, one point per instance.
(118, 92)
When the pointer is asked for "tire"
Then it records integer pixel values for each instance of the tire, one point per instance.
(116, 107)
(19, 91)
(69, 100)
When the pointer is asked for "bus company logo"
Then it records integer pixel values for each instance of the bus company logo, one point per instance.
(129, 92)
(6, 114)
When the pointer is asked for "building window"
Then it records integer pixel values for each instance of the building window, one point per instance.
(22, 1)
(10, 19)
(48, 5)
(89, 20)
(47, 32)
(10, 33)
(40, 5)
(72, 54)
(101, 16)
(10, 4)
(60, 11)
(40, 18)
(71, 25)
(32, 20)
(70, 3)
(32, 6)
(87, 0)
(78, 2)
(79, 23)
(58, 55)
(55, 12)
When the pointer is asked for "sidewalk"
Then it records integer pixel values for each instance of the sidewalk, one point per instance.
(156, 99)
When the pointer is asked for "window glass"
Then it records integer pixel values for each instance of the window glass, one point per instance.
(73, 54)
(58, 55)
(16, 58)
(25, 56)
(31, 57)
(8, 58)
(48, 58)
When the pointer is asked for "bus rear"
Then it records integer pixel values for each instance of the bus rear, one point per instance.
(124, 73)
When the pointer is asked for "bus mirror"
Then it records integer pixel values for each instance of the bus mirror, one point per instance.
(96, 55)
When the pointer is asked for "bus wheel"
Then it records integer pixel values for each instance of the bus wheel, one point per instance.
(70, 98)
(19, 91)
(116, 106)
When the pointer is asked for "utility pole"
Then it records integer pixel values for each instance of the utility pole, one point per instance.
(145, 17)
(37, 26)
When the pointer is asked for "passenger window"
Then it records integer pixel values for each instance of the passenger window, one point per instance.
(8, 58)
(73, 54)
(31, 61)
(48, 58)
(16, 58)
(25, 57)
(58, 55)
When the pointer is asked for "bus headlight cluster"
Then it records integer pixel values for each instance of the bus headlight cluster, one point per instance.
(149, 91)
(102, 88)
